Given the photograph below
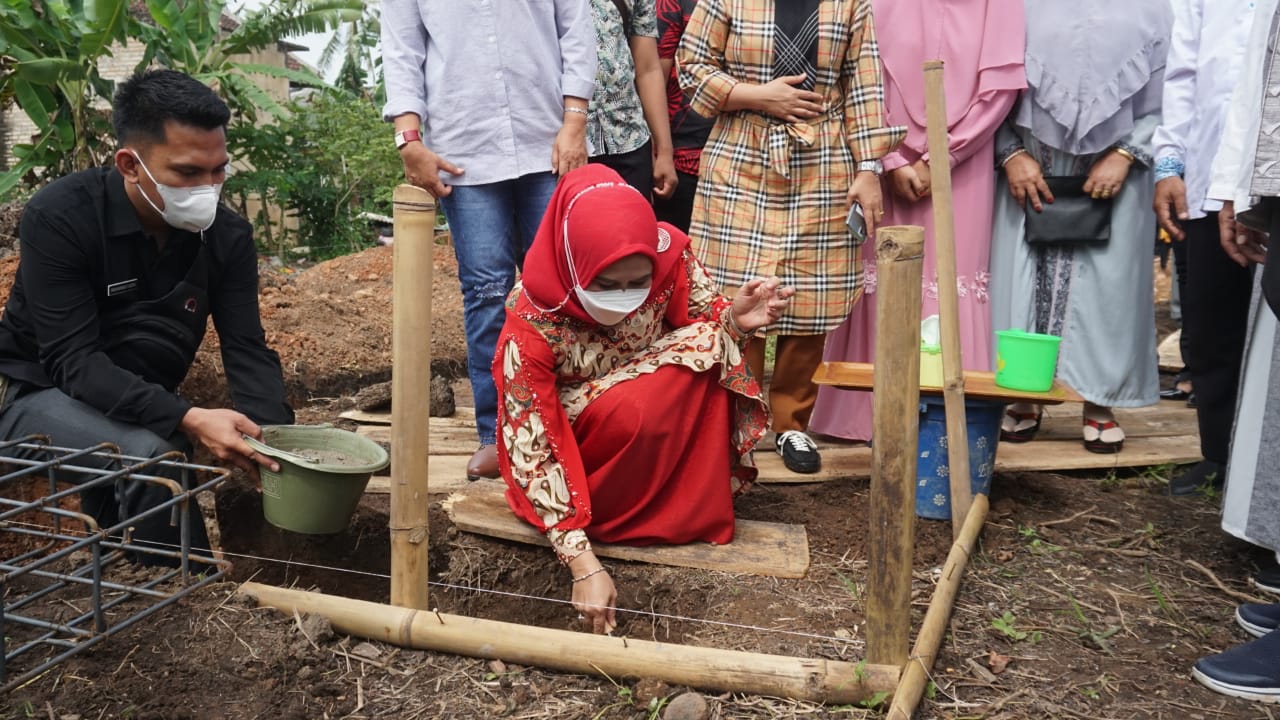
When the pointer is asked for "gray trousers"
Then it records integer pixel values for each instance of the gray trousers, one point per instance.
(67, 422)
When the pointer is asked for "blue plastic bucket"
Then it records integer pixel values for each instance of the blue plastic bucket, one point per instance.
(933, 475)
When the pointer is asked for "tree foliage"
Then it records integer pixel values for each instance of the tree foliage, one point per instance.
(325, 167)
(50, 51)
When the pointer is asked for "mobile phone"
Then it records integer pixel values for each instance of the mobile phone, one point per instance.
(857, 223)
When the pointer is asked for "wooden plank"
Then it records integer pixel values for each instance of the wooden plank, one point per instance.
(462, 415)
(448, 474)
(1050, 455)
(1037, 456)
(1163, 420)
(445, 438)
(977, 385)
(758, 548)
(1149, 447)
(1169, 352)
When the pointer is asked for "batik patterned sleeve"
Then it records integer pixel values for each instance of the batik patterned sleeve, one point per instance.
(701, 58)
(864, 114)
(536, 449)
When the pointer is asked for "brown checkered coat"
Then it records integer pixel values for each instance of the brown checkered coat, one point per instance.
(771, 195)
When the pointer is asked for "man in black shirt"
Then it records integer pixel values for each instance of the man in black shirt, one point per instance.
(120, 270)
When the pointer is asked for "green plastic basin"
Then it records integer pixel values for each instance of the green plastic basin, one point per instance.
(316, 493)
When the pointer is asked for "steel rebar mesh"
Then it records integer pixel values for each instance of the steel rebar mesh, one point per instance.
(66, 583)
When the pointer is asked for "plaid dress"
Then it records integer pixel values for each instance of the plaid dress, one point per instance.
(772, 195)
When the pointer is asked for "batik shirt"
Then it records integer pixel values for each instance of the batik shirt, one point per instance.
(615, 123)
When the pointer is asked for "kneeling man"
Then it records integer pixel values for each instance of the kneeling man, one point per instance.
(121, 268)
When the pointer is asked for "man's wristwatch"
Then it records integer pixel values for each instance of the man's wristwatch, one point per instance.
(871, 166)
(404, 137)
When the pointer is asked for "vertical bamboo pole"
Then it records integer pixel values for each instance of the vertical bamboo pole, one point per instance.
(944, 243)
(899, 259)
(934, 628)
(414, 216)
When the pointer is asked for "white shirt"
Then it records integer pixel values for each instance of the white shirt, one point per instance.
(1205, 57)
(1232, 172)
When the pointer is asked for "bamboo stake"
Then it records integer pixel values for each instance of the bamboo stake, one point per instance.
(414, 216)
(934, 628)
(899, 259)
(944, 243)
(814, 680)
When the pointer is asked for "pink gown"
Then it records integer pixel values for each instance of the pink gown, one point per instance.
(972, 130)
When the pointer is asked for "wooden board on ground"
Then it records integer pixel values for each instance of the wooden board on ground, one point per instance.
(448, 473)
(449, 436)
(1051, 455)
(1157, 435)
(1167, 419)
(977, 385)
(1169, 352)
(758, 548)
(364, 417)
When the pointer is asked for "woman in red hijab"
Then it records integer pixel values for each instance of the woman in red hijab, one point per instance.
(626, 413)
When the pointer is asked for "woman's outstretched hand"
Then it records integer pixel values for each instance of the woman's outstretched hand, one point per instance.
(759, 303)
(594, 597)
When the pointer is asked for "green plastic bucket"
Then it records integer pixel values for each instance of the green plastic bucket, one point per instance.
(323, 473)
(1026, 361)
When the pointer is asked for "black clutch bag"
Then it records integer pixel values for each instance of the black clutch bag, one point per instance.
(1073, 218)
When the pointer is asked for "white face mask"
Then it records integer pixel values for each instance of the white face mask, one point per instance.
(609, 307)
(185, 208)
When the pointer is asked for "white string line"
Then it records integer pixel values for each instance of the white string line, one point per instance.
(502, 593)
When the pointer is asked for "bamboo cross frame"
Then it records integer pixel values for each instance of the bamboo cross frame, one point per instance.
(889, 666)
(944, 243)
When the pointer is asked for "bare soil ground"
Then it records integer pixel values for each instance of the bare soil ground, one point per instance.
(1090, 597)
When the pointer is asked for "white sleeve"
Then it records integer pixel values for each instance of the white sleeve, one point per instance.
(404, 51)
(1179, 104)
(1233, 163)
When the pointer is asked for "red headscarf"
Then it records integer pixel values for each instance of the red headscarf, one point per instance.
(597, 219)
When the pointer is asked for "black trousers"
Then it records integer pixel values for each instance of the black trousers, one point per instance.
(678, 209)
(1215, 317)
(635, 167)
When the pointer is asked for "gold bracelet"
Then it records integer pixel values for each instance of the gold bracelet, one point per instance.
(1124, 154)
(584, 576)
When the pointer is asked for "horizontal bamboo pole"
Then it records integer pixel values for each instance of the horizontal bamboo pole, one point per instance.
(813, 680)
(934, 627)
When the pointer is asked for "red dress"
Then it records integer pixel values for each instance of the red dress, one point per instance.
(638, 433)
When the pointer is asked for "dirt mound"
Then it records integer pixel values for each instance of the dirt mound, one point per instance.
(331, 324)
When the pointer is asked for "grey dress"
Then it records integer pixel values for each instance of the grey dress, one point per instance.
(1098, 299)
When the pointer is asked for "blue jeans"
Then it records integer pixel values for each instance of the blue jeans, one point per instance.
(492, 227)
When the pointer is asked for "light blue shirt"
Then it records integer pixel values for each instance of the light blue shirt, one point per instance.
(488, 78)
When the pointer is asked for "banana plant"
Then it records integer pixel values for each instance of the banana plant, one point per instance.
(50, 52)
(191, 36)
(49, 55)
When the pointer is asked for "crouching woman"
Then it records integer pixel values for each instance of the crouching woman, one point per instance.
(626, 411)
